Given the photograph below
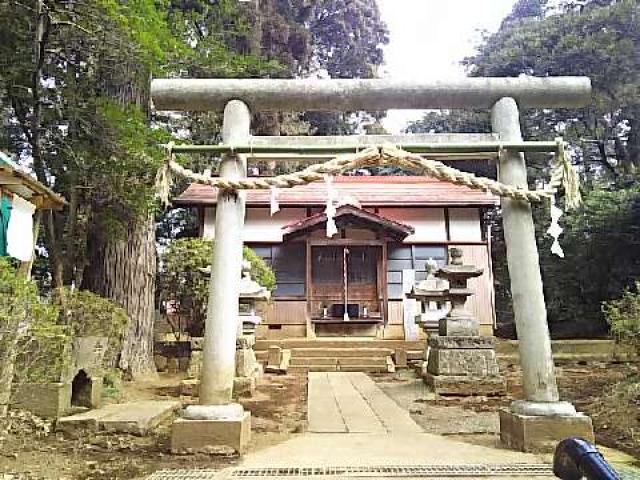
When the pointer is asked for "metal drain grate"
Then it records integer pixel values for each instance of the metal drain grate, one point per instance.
(425, 471)
(399, 471)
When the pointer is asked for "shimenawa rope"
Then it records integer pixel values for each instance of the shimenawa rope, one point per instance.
(385, 155)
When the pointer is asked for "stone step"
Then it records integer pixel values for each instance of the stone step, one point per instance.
(314, 361)
(332, 354)
(374, 361)
(415, 355)
(136, 418)
(340, 352)
(367, 368)
(312, 368)
(340, 344)
(370, 365)
(328, 362)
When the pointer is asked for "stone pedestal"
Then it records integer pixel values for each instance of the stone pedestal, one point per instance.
(242, 387)
(208, 436)
(278, 360)
(48, 400)
(541, 433)
(248, 369)
(463, 366)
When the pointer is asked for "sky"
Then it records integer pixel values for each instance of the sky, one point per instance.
(429, 38)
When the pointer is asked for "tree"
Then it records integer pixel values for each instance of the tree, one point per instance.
(68, 99)
(74, 94)
(184, 287)
(599, 39)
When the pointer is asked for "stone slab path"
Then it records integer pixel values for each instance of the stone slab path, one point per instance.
(341, 402)
(131, 417)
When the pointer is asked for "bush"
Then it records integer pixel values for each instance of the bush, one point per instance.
(32, 345)
(182, 283)
(260, 271)
(623, 315)
(87, 314)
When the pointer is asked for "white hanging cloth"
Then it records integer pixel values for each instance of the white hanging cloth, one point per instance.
(555, 230)
(20, 229)
(330, 209)
(273, 200)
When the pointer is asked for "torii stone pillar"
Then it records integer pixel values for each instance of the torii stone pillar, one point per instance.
(539, 421)
(217, 421)
(219, 350)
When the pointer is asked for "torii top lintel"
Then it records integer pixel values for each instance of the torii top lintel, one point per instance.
(370, 94)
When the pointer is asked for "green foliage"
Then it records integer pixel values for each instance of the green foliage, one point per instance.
(182, 282)
(452, 121)
(86, 314)
(123, 166)
(32, 343)
(623, 314)
(260, 271)
(598, 39)
(35, 334)
(145, 22)
(602, 256)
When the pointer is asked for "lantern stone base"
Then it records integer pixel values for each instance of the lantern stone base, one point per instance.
(528, 433)
(463, 365)
(458, 385)
(207, 436)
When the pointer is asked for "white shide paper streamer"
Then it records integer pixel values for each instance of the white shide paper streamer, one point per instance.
(555, 230)
(330, 209)
(273, 200)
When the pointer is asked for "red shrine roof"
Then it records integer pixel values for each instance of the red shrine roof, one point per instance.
(368, 190)
(349, 216)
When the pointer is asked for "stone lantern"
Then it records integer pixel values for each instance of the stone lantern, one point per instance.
(460, 361)
(251, 294)
(432, 295)
(458, 322)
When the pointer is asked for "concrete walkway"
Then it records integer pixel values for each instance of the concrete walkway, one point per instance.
(353, 423)
(353, 403)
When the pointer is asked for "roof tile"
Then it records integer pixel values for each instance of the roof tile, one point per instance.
(368, 190)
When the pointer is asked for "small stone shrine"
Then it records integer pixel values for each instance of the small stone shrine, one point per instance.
(460, 361)
(76, 387)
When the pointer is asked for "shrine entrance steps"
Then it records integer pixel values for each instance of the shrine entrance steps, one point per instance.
(344, 355)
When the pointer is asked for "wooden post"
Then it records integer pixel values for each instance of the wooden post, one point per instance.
(309, 331)
(218, 363)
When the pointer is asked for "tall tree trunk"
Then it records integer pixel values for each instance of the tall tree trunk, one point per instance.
(124, 270)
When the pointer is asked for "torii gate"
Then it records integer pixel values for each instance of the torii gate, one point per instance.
(541, 410)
